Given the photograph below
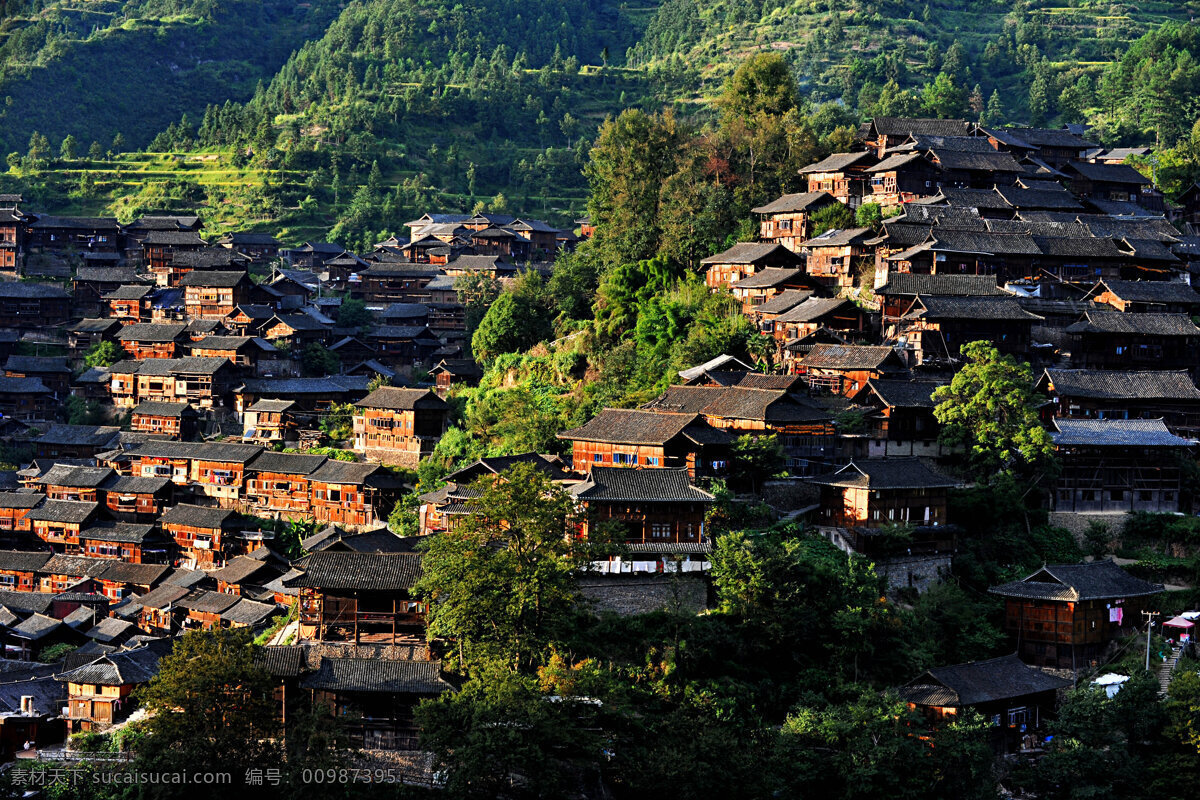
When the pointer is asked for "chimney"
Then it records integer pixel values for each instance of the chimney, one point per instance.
(27, 704)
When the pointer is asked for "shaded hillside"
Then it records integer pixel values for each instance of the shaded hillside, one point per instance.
(92, 68)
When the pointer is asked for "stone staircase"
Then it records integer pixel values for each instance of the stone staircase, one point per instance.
(1165, 670)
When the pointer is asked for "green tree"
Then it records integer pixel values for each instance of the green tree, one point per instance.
(316, 360)
(477, 291)
(82, 412)
(210, 709)
(754, 459)
(518, 319)
(869, 215)
(501, 584)
(762, 84)
(353, 313)
(69, 148)
(103, 354)
(835, 216)
(95, 152)
(991, 410)
(944, 97)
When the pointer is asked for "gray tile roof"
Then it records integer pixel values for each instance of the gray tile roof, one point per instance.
(1115, 433)
(36, 627)
(285, 463)
(345, 472)
(769, 277)
(248, 612)
(1122, 385)
(22, 560)
(377, 675)
(157, 408)
(20, 499)
(814, 308)
(626, 484)
(752, 253)
(1097, 580)
(352, 570)
(152, 332)
(938, 307)
(206, 602)
(783, 302)
(897, 473)
(124, 532)
(1162, 292)
(399, 399)
(69, 511)
(632, 426)
(962, 685)
(79, 435)
(795, 202)
(1135, 324)
(197, 516)
(75, 477)
(121, 668)
(904, 394)
(47, 364)
(849, 356)
(76, 566)
(773, 406)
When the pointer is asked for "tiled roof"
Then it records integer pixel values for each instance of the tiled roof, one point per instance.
(839, 237)
(202, 451)
(1122, 385)
(1150, 291)
(76, 566)
(769, 278)
(722, 361)
(784, 301)
(904, 394)
(1098, 580)
(131, 484)
(618, 484)
(754, 380)
(1049, 200)
(243, 568)
(22, 386)
(206, 602)
(32, 291)
(35, 627)
(814, 308)
(937, 307)
(157, 408)
(152, 332)
(368, 571)
(771, 406)
(22, 560)
(1135, 324)
(377, 675)
(1108, 173)
(839, 162)
(121, 668)
(285, 463)
(897, 473)
(848, 356)
(109, 628)
(962, 685)
(904, 126)
(280, 661)
(248, 612)
(20, 499)
(125, 532)
(751, 253)
(138, 574)
(79, 435)
(218, 279)
(795, 202)
(345, 472)
(945, 285)
(26, 602)
(70, 511)
(162, 596)
(75, 477)
(631, 426)
(197, 516)
(47, 364)
(1116, 433)
(398, 399)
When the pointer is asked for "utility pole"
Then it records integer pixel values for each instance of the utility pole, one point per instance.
(1149, 615)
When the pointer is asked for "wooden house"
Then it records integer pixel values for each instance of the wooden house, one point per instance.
(279, 483)
(403, 345)
(218, 470)
(87, 333)
(19, 569)
(249, 319)
(451, 371)
(250, 353)
(33, 306)
(813, 313)
(844, 369)
(75, 441)
(353, 493)
(69, 482)
(658, 511)
(399, 426)
(101, 692)
(644, 438)
(788, 220)
(48, 234)
(200, 382)
(26, 399)
(174, 420)
(133, 543)
(935, 328)
(136, 499)
(129, 304)
(883, 133)
(28, 639)
(153, 340)
(1118, 182)
(1065, 615)
(244, 576)
(804, 431)
(395, 283)
(12, 234)
(900, 420)
(53, 372)
(215, 294)
(360, 597)
(843, 175)
(745, 259)
(254, 246)
(299, 330)
(204, 536)
(1016, 700)
(1111, 394)
(270, 421)
(375, 698)
(901, 178)
(64, 573)
(58, 522)
(309, 394)
(1113, 465)
(897, 294)
(840, 258)
(877, 493)
(759, 288)
(156, 615)
(159, 249)
(1156, 297)
(91, 284)
(1113, 340)
(14, 511)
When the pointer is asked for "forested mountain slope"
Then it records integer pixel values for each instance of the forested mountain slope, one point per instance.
(93, 68)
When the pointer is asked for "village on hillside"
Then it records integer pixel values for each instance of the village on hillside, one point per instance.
(207, 434)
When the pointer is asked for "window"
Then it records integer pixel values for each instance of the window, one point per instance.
(660, 530)
(597, 458)
(650, 461)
